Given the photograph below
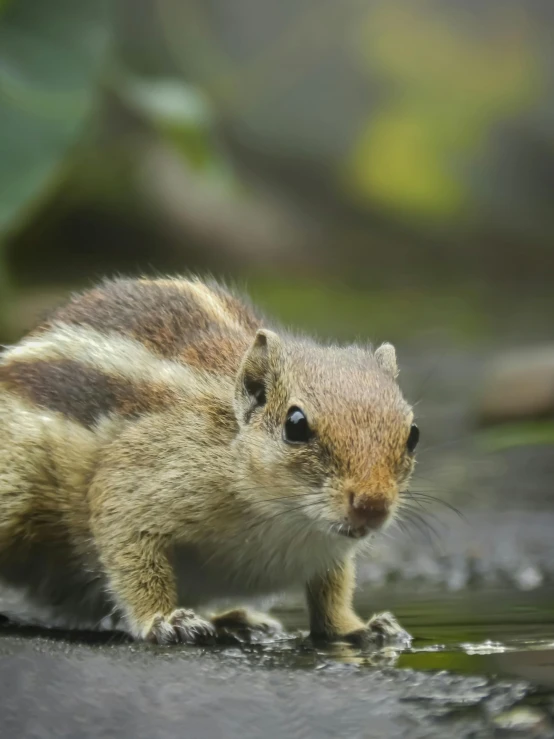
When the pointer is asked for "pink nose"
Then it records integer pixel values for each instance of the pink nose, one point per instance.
(368, 510)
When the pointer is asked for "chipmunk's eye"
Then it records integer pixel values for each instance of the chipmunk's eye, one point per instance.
(413, 438)
(296, 429)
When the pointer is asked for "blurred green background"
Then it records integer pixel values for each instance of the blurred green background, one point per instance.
(376, 169)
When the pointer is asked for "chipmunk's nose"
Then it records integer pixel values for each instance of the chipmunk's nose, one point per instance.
(368, 510)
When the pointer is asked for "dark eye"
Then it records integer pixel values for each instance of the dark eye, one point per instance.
(413, 438)
(296, 430)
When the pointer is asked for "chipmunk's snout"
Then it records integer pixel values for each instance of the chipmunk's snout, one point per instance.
(367, 510)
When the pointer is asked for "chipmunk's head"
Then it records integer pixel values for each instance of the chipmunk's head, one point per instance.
(325, 433)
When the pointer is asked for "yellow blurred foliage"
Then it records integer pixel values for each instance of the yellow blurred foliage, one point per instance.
(448, 81)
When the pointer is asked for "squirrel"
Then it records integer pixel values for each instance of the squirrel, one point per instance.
(161, 446)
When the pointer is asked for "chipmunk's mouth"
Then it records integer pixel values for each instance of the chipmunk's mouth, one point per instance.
(352, 532)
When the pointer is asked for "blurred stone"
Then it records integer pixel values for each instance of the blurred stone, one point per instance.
(528, 578)
(519, 386)
(522, 719)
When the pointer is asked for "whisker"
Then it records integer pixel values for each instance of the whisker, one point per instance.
(415, 515)
(428, 498)
(425, 528)
(404, 528)
(264, 520)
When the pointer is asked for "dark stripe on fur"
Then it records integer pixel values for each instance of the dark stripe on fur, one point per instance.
(165, 318)
(80, 392)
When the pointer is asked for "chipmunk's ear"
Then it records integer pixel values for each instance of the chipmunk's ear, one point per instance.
(256, 373)
(385, 356)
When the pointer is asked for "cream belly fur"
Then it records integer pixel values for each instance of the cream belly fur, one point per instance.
(203, 576)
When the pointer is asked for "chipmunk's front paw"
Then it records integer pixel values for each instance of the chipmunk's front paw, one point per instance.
(382, 629)
(183, 625)
(244, 625)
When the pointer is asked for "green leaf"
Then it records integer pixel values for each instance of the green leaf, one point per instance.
(183, 117)
(51, 54)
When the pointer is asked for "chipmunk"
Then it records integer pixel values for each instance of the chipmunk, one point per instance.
(161, 446)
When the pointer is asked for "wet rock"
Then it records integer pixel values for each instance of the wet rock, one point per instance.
(518, 386)
(528, 578)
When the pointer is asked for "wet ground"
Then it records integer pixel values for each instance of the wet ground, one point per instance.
(481, 664)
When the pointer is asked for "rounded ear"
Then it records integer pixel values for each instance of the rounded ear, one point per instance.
(385, 356)
(256, 373)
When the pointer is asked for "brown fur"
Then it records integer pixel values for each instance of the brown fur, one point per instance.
(215, 354)
(81, 393)
(167, 318)
(143, 466)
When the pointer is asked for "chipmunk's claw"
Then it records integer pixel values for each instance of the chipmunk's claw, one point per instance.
(381, 630)
(181, 626)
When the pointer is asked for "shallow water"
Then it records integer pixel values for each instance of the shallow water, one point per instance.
(498, 633)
